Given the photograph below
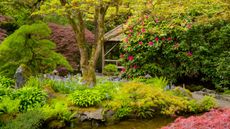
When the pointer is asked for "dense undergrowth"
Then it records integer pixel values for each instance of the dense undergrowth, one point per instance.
(60, 100)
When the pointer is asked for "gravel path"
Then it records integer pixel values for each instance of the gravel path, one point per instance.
(221, 103)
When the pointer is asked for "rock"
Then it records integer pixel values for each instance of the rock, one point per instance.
(56, 124)
(115, 79)
(109, 117)
(208, 91)
(148, 76)
(22, 74)
(90, 115)
(89, 118)
(96, 115)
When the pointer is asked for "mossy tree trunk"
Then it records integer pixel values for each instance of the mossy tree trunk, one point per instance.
(88, 62)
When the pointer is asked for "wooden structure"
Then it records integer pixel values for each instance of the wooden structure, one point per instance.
(110, 44)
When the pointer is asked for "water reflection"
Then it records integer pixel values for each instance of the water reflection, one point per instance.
(155, 123)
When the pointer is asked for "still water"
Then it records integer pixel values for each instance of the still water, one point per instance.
(155, 123)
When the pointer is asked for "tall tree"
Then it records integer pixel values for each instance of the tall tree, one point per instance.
(77, 11)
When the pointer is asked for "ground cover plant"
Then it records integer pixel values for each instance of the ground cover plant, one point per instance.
(147, 100)
(215, 119)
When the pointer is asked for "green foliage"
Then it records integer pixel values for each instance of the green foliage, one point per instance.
(28, 120)
(29, 45)
(5, 91)
(107, 88)
(207, 103)
(30, 97)
(227, 92)
(34, 82)
(6, 82)
(157, 82)
(144, 101)
(183, 49)
(6, 85)
(123, 112)
(87, 97)
(57, 109)
(182, 92)
(18, 10)
(110, 69)
(67, 86)
(9, 106)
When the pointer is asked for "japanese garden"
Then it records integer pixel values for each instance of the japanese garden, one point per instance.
(114, 64)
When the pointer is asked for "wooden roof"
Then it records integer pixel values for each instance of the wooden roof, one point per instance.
(115, 31)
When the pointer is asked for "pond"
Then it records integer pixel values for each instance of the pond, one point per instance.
(154, 123)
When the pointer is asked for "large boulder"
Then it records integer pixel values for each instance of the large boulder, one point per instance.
(22, 74)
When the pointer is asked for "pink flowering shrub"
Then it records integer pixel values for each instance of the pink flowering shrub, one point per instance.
(181, 52)
(215, 119)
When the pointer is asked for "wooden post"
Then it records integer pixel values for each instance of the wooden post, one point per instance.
(103, 56)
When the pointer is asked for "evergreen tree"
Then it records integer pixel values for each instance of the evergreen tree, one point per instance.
(29, 45)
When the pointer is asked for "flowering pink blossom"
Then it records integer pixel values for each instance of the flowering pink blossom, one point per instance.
(147, 16)
(143, 23)
(177, 45)
(163, 39)
(157, 20)
(135, 66)
(126, 40)
(123, 70)
(156, 39)
(143, 30)
(189, 53)
(130, 58)
(140, 43)
(189, 26)
(131, 30)
(151, 43)
(130, 35)
(169, 38)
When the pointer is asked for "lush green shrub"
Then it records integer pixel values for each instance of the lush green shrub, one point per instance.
(110, 69)
(6, 82)
(34, 82)
(123, 112)
(107, 88)
(28, 120)
(87, 97)
(57, 109)
(29, 45)
(185, 51)
(30, 97)
(145, 101)
(6, 91)
(157, 82)
(9, 106)
(207, 103)
(182, 92)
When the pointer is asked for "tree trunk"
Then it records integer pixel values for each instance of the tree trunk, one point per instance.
(88, 66)
(90, 77)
